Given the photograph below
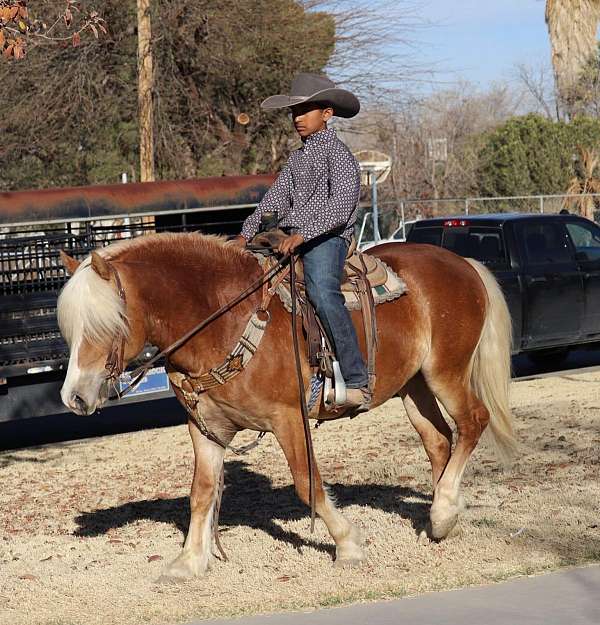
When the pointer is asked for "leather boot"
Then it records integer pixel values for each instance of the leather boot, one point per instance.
(358, 399)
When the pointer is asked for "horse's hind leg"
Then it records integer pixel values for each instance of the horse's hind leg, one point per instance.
(290, 436)
(197, 555)
(471, 417)
(426, 417)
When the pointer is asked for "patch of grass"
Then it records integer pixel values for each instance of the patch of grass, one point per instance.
(503, 576)
(592, 556)
(568, 561)
(333, 601)
(484, 522)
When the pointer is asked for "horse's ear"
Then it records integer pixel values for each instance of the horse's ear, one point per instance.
(70, 263)
(101, 266)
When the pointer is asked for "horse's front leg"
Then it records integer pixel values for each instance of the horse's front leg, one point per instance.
(197, 553)
(290, 435)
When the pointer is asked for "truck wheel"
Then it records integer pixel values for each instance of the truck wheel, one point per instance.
(549, 358)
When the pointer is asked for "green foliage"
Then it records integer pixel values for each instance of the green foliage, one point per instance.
(69, 115)
(229, 61)
(533, 155)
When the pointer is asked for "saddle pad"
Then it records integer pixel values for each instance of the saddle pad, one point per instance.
(389, 285)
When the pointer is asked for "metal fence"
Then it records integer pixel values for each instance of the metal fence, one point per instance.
(31, 274)
(394, 214)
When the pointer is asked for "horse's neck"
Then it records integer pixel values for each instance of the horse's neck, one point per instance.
(176, 296)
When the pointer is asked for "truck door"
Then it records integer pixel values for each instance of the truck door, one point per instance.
(552, 282)
(585, 236)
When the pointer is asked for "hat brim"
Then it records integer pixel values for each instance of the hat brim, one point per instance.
(344, 103)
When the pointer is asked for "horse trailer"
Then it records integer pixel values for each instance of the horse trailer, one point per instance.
(36, 225)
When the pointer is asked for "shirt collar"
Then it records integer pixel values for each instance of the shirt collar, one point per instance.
(318, 138)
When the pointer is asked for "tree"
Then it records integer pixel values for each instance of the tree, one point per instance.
(213, 64)
(532, 155)
(145, 91)
(19, 30)
(69, 113)
(459, 117)
(572, 26)
(584, 182)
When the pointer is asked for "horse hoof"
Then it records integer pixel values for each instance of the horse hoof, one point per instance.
(443, 528)
(347, 563)
(423, 538)
(186, 566)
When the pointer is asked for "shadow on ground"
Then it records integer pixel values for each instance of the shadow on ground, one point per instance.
(250, 500)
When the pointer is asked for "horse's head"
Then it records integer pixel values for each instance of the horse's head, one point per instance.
(101, 333)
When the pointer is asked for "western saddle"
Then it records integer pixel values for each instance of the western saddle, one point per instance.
(367, 282)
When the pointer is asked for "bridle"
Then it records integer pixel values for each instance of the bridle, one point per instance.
(114, 366)
(115, 360)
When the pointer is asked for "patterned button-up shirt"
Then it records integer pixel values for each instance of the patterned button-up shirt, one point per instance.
(317, 191)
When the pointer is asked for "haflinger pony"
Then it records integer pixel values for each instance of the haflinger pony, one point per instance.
(447, 338)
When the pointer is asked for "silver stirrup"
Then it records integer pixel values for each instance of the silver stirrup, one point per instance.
(339, 386)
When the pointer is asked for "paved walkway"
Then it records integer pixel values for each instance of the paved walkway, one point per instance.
(569, 597)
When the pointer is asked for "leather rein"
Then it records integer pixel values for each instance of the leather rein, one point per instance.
(114, 365)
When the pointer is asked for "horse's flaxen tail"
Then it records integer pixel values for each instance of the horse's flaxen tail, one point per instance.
(491, 371)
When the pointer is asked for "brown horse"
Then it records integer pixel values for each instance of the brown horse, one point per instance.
(447, 338)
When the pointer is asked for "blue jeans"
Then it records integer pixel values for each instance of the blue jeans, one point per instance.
(323, 267)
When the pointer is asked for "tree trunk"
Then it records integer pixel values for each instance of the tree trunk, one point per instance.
(572, 26)
(145, 90)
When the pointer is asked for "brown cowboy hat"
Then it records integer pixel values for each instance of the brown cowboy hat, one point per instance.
(316, 88)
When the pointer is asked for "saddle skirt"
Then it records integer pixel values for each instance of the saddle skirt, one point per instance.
(385, 284)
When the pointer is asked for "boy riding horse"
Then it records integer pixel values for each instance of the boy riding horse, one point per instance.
(316, 198)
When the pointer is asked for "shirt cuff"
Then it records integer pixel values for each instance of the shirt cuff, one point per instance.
(248, 235)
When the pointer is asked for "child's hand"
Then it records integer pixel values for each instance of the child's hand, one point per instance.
(239, 241)
(289, 244)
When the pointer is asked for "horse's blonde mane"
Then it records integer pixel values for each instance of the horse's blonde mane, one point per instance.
(174, 243)
(90, 307)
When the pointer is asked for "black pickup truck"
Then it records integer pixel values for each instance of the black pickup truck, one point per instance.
(547, 265)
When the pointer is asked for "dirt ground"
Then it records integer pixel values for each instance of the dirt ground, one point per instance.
(87, 527)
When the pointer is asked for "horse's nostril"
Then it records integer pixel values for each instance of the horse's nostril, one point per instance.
(79, 402)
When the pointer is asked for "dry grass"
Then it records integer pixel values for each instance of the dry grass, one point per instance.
(87, 526)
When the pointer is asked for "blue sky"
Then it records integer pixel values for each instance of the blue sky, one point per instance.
(482, 40)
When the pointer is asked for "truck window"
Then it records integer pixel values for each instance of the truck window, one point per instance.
(433, 236)
(484, 244)
(546, 243)
(487, 246)
(586, 240)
